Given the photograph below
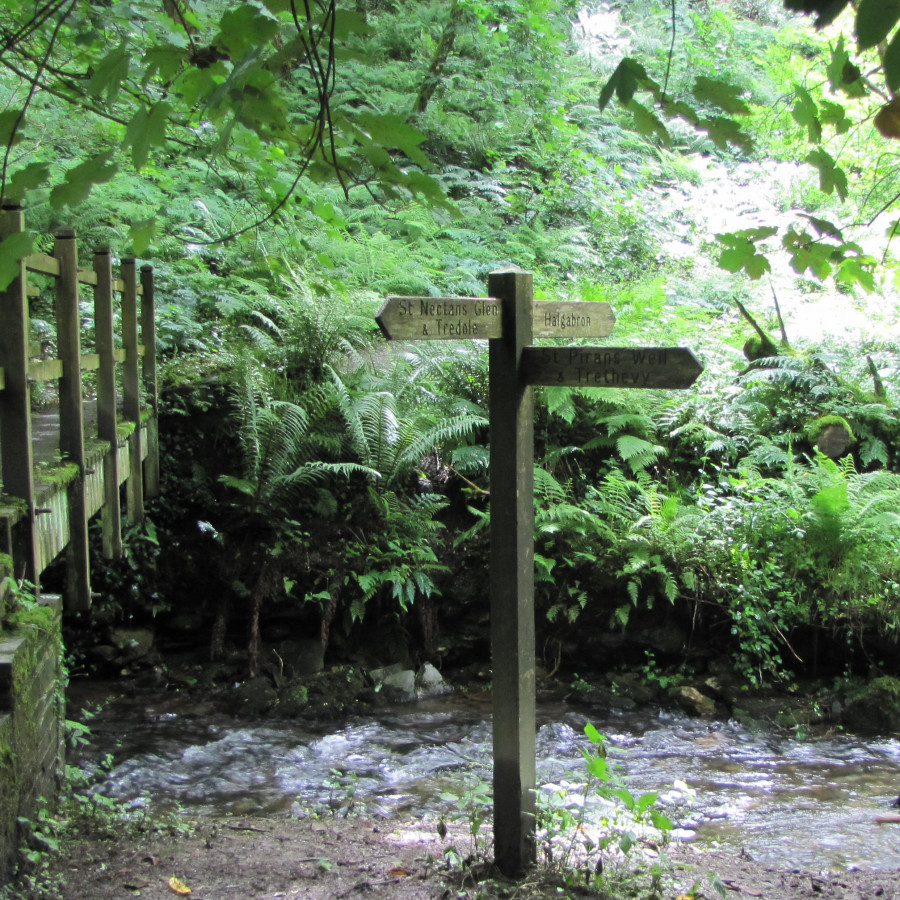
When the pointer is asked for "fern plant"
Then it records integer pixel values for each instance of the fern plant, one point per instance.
(282, 474)
(391, 439)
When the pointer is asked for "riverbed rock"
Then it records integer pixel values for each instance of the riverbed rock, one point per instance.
(133, 643)
(693, 702)
(396, 683)
(256, 696)
(875, 708)
(302, 657)
(401, 685)
(430, 682)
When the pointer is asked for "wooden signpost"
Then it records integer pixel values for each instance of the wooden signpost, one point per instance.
(510, 320)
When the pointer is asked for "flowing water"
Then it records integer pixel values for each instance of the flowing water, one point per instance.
(792, 803)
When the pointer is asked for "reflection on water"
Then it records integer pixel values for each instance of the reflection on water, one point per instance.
(792, 803)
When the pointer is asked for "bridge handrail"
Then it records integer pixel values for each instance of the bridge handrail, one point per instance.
(19, 369)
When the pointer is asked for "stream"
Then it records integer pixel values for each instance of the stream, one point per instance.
(788, 802)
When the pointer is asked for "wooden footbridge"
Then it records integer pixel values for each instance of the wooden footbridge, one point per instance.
(95, 450)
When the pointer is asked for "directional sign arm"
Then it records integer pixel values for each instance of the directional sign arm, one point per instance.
(440, 318)
(617, 367)
(572, 319)
(481, 318)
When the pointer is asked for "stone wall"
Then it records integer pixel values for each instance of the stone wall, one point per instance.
(32, 719)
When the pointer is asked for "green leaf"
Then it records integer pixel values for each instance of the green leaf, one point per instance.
(806, 113)
(682, 110)
(808, 254)
(10, 127)
(12, 251)
(874, 21)
(741, 253)
(34, 175)
(593, 735)
(147, 128)
(141, 234)
(834, 114)
(720, 94)
(560, 402)
(843, 75)
(750, 234)
(348, 23)
(110, 72)
(163, 62)
(835, 68)
(723, 132)
(831, 502)
(623, 82)
(826, 10)
(832, 177)
(245, 27)
(645, 801)
(857, 271)
(395, 132)
(421, 185)
(824, 227)
(720, 887)
(647, 123)
(81, 178)
(598, 767)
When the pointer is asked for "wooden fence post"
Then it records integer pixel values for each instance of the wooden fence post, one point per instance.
(71, 417)
(131, 389)
(15, 406)
(111, 515)
(151, 389)
(512, 576)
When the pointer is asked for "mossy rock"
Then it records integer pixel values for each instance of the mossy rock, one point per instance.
(875, 708)
(832, 435)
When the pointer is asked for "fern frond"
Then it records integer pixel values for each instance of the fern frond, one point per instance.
(547, 487)
(451, 430)
(471, 460)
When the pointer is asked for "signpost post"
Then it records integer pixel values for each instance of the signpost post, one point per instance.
(510, 320)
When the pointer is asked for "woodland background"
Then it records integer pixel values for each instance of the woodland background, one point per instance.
(723, 173)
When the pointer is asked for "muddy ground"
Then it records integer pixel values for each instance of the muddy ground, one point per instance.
(328, 859)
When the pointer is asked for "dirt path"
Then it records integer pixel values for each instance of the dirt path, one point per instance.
(314, 859)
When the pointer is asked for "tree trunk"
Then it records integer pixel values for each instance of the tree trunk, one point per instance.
(335, 588)
(217, 641)
(444, 49)
(269, 575)
(428, 622)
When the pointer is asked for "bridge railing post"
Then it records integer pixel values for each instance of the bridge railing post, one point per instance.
(131, 391)
(71, 417)
(104, 342)
(16, 455)
(149, 380)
